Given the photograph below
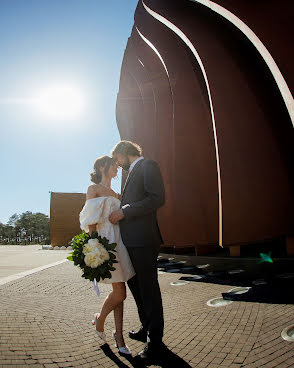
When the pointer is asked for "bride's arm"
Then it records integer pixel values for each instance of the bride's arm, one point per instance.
(92, 193)
(92, 228)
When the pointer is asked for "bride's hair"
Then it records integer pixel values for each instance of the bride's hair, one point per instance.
(103, 161)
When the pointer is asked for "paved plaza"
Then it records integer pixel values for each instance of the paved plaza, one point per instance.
(45, 322)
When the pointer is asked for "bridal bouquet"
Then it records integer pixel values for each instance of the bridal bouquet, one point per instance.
(94, 255)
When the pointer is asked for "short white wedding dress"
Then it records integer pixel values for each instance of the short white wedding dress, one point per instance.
(97, 211)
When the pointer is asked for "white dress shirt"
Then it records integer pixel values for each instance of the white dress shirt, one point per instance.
(131, 168)
(134, 163)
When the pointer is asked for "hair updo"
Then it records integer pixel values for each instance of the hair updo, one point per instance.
(103, 161)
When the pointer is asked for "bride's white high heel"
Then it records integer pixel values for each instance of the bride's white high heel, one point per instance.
(101, 334)
(121, 349)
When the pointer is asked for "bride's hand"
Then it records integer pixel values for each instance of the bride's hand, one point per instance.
(116, 216)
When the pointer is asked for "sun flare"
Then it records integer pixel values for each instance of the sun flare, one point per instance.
(60, 102)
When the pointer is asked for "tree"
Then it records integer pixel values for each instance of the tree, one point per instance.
(33, 224)
(6, 231)
(26, 225)
(12, 219)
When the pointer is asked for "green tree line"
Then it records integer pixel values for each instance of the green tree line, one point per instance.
(26, 228)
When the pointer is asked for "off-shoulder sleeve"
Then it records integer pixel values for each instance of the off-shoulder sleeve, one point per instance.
(93, 212)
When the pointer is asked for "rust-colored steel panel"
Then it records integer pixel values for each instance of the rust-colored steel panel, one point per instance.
(64, 216)
(208, 108)
(272, 23)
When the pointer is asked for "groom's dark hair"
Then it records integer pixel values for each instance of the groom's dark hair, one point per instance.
(127, 148)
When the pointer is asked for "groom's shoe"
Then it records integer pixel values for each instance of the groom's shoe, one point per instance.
(152, 354)
(140, 335)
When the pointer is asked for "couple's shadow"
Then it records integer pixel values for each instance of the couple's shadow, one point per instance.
(169, 360)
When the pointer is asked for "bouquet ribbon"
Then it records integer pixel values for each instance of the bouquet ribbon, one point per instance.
(95, 287)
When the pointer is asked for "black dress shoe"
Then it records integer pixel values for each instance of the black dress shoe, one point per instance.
(140, 335)
(152, 354)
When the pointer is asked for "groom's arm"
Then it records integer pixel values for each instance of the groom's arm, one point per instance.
(154, 188)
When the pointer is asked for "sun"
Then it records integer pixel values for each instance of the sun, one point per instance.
(60, 101)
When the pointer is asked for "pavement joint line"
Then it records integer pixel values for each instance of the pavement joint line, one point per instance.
(20, 275)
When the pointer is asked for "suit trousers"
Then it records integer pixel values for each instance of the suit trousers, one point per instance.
(146, 292)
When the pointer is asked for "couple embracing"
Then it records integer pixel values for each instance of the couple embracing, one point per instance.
(130, 220)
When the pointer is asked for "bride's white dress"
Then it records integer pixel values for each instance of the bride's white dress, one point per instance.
(97, 211)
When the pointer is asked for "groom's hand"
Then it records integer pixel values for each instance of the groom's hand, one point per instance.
(116, 216)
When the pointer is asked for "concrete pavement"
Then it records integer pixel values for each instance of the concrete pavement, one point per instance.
(19, 258)
(45, 322)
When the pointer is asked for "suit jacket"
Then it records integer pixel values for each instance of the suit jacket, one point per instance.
(143, 194)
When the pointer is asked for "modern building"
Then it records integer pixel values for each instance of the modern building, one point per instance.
(205, 89)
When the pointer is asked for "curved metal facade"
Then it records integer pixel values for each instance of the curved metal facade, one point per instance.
(212, 104)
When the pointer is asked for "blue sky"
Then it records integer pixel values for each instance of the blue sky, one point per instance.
(47, 44)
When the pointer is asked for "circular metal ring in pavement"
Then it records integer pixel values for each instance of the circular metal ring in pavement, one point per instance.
(179, 283)
(218, 302)
(203, 266)
(196, 277)
(236, 272)
(288, 333)
(259, 282)
(239, 290)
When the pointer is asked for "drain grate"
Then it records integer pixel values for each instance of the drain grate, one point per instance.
(288, 333)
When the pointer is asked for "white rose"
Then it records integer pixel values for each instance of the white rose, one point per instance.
(95, 253)
(105, 254)
(92, 260)
(91, 246)
(93, 242)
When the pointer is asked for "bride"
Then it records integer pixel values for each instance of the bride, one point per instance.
(101, 201)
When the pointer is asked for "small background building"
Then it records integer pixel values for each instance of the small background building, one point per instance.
(64, 216)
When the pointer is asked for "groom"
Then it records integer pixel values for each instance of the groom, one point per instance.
(142, 195)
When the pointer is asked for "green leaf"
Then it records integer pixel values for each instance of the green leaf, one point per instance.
(94, 235)
(112, 256)
(111, 246)
(70, 258)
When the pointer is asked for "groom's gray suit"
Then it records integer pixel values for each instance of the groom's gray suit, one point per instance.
(143, 194)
